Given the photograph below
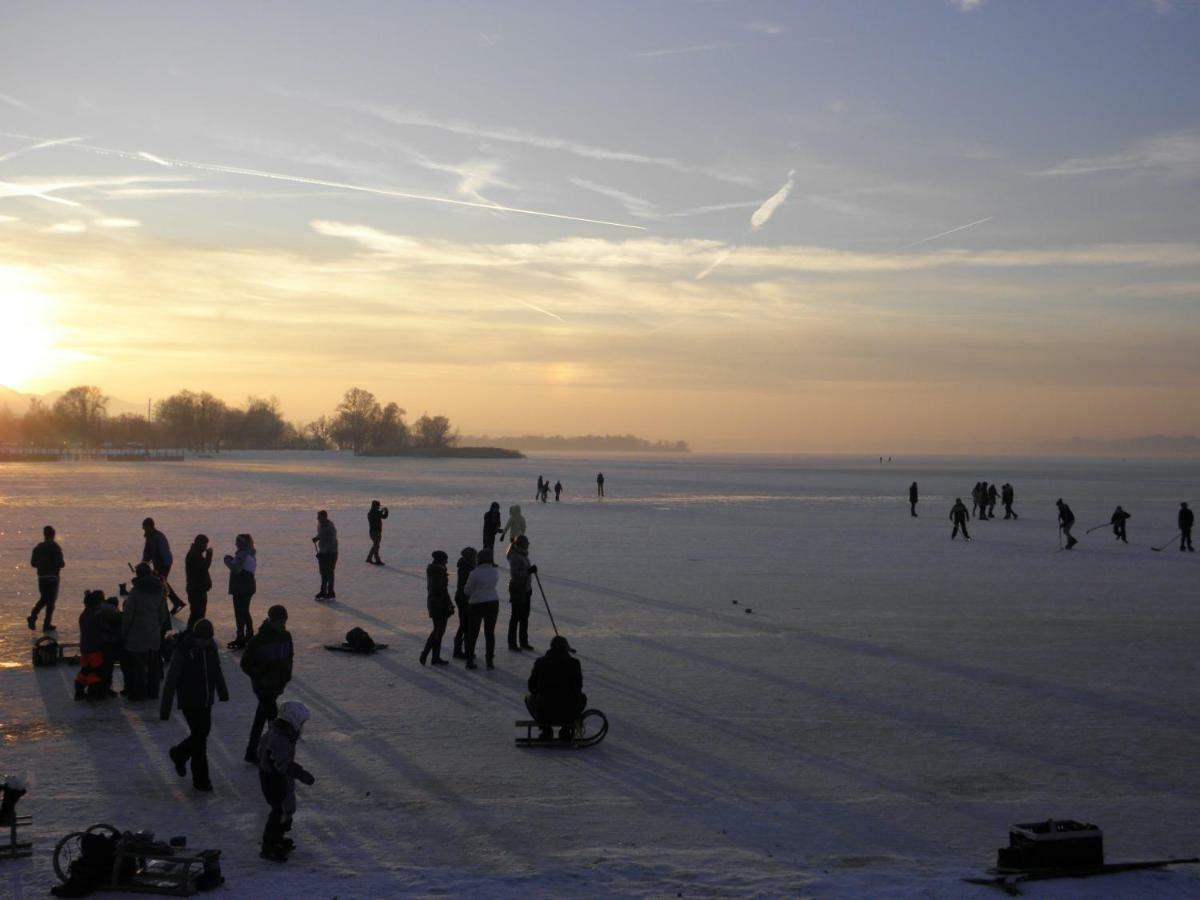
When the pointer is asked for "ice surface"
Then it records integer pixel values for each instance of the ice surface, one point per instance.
(891, 705)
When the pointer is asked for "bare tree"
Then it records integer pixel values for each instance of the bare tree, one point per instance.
(355, 419)
(434, 433)
(80, 413)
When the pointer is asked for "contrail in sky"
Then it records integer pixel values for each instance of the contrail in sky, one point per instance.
(761, 217)
(142, 156)
(934, 237)
(544, 312)
(38, 146)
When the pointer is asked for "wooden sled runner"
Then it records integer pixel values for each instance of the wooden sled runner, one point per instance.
(590, 729)
(347, 648)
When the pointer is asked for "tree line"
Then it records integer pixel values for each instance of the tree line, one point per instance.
(204, 423)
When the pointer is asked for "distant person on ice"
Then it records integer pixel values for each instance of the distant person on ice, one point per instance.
(992, 496)
(491, 525)
(47, 559)
(959, 516)
(599, 484)
(375, 516)
(1006, 497)
(268, 661)
(556, 694)
(439, 606)
(1187, 519)
(538, 494)
(1119, 518)
(520, 594)
(242, 586)
(1066, 521)
(912, 500)
(325, 542)
(157, 551)
(558, 489)
(515, 526)
(278, 773)
(484, 601)
(195, 676)
(465, 565)
(975, 504)
(199, 580)
(545, 493)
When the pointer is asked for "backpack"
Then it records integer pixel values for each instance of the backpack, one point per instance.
(46, 652)
(360, 641)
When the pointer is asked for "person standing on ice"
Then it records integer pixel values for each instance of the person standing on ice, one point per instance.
(1006, 497)
(558, 489)
(992, 496)
(599, 484)
(465, 565)
(195, 675)
(484, 601)
(1066, 521)
(912, 499)
(326, 543)
(491, 525)
(375, 516)
(157, 551)
(438, 605)
(515, 526)
(199, 580)
(1119, 517)
(268, 661)
(278, 773)
(959, 516)
(47, 560)
(520, 594)
(1186, 520)
(242, 585)
(144, 618)
(541, 484)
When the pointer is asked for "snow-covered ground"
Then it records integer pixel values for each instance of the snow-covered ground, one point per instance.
(893, 702)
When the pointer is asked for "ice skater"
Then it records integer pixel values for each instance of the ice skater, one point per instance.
(375, 516)
(465, 565)
(599, 484)
(325, 542)
(992, 496)
(196, 565)
(558, 489)
(195, 676)
(515, 526)
(484, 601)
(1118, 520)
(913, 497)
(1006, 498)
(975, 498)
(278, 773)
(1066, 521)
(47, 560)
(268, 661)
(556, 694)
(1186, 520)
(156, 550)
(520, 594)
(959, 516)
(491, 525)
(538, 493)
(438, 605)
(242, 565)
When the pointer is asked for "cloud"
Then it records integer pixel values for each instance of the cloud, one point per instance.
(48, 188)
(967, 5)
(117, 223)
(675, 51)
(934, 237)
(73, 226)
(6, 219)
(635, 206)
(12, 101)
(1175, 154)
(765, 27)
(711, 208)
(40, 145)
(474, 175)
(763, 214)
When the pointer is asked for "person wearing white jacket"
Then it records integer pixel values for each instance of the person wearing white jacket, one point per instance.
(515, 526)
(484, 604)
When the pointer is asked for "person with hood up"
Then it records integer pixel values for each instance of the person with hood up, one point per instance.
(157, 552)
(144, 618)
(1066, 521)
(912, 499)
(465, 564)
(326, 543)
(268, 661)
(1118, 520)
(47, 559)
(520, 594)
(196, 565)
(556, 694)
(1006, 498)
(95, 625)
(515, 526)
(278, 773)
(959, 516)
(242, 565)
(437, 601)
(484, 601)
(1186, 520)
(195, 676)
(375, 516)
(491, 525)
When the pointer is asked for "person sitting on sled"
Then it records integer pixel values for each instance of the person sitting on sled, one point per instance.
(556, 694)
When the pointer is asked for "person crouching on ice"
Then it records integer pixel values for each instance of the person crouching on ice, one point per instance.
(278, 773)
(556, 694)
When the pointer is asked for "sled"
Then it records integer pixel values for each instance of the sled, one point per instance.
(1010, 881)
(15, 847)
(347, 648)
(590, 729)
(143, 865)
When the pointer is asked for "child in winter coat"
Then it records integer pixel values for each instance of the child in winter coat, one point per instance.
(437, 600)
(278, 773)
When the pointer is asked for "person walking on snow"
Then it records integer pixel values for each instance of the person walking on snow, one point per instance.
(959, 515)
(992, 496)
(520, 594)
(491, 525)
(196, 566)
(599, 484)
(1066, 521)
(438, 604)
(1187, 518)
(975, 498)
(375, 516)
(268, 661)
(195, 675)
(912, 500)
(465, 565)
(558, 489)
(47, 560)
(515, 526)
(1119, 517)
(1006, 497)
(326, 543)
(484, 601)
(242, 585)
(278, 773)
(538, 494)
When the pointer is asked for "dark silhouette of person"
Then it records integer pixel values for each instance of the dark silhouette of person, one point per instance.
(541, 484)
(144, 618)
(375, 516)
(975, 504)
(1187, 518)
(556, 694)
(992, 496)
(983, 500)
(157, 551)
(326, 544)
(484, 601)
(268, 661)
(959, 516)
(1066, 521)
(439, 606)
(1119, 518)
(912, 499)
(195, 676)
(491, 525)
(96, 623)
(558, 489)
(465, 565)
(47, 560)
(545, 492)
(1006, 497)
(242, 565)
(196, 566)
(599, 484)
(520, 594)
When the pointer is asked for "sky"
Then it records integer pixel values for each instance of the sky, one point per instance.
(880, 227)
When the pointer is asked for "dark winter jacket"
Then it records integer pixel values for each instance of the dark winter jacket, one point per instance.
(556, 681)
(98, 624)
(196, 564)
(268, 658)
(1119, 516)
(958, 513)
(375, 519)
(195, 676)
(1186, 519)
(327, 542)
(157, 551)
(242, 566)
(47, 558)
(519, 579)
(491, 524)
(465, 567)
(145, 616)
(437, 592)
(1066, 518)
(912, 493)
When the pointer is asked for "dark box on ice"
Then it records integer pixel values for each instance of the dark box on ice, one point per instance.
(1052, 844)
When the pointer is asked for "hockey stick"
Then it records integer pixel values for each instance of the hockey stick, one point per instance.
(542, 591)
(1167, 544)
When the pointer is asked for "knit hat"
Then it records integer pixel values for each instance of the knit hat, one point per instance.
(277, 613)
(294, 713)
(203, 629)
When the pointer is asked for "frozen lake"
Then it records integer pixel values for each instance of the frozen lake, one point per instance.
(893, 702)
